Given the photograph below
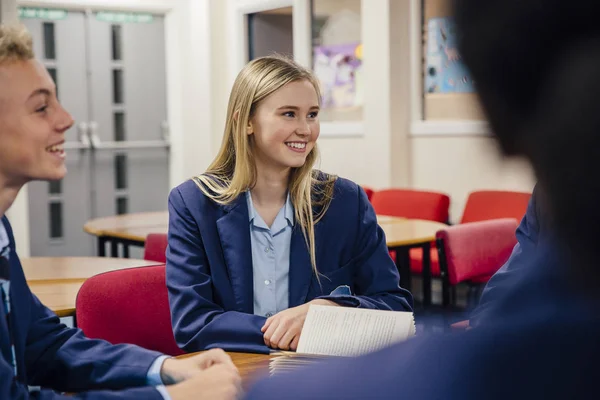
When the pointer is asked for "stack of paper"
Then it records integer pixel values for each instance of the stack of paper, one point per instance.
(344, 332)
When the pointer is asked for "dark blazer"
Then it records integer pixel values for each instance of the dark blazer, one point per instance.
(55, 357)
(534, 225)
(543, 344)
(209, 266)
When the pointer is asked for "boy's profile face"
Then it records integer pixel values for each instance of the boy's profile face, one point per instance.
(32, 124)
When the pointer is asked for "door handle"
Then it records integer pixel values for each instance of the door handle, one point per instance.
(97, 144)
(83, 139)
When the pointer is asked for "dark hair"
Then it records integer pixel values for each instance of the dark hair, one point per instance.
(536, 64)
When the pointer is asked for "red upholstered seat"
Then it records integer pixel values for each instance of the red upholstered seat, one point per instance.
(481, 206)
(494, 204)
(155, 247)
(414, 204)
(474, 251)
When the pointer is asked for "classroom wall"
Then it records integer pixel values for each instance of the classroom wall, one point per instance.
(459, 165)
(386, 155)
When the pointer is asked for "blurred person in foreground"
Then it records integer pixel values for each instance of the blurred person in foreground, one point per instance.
(536, 67)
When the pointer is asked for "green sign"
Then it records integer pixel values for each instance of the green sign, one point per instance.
(120, 17)
(42, 13)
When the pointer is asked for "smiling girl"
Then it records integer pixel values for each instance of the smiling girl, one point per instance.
(261, 235)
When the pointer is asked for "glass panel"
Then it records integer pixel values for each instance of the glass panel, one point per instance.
(56, 225)
(270, 32)
(337, 58)
(122, 205)
(116, 42)
(448, 89)
(55, 187)
(49, 45)
(120, 171)
(117, 86)
(119, 121)
(52, 72)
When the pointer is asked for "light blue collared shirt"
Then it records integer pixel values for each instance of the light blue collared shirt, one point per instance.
(154, 379)
(271, 258)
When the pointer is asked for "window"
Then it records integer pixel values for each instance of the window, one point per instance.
(56, 220)
(49, 43)
(54, 187)
(120, 172)
(270, 32)
(117, 86)
(116, 42)
(122, 205)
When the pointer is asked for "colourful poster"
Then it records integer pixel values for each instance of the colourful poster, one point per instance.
(338, 68)
(444, 71)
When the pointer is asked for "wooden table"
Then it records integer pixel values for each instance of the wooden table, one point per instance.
(251, 366)
(401, 235)
(57, 280)
(127, 230)
(131, 230)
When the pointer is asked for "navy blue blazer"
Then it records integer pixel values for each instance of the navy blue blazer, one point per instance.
(209, 266)
(57, 358)
(535, 224)
(542, 345)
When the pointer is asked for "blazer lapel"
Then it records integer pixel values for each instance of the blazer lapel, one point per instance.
(234, 233)
(301, 272)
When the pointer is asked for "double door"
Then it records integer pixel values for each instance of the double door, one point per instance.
(109, 69)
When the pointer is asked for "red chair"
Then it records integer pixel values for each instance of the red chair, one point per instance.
(413, 204)
(155, 247)
(481, 206)
(471, 253)
(493, 204)
(128, 306)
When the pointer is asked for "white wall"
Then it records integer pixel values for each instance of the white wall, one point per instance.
(459, 165)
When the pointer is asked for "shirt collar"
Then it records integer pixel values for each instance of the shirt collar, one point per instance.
(288, 211)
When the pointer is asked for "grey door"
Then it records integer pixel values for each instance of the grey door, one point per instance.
(129, 115)
(119, 97)
(58, 210)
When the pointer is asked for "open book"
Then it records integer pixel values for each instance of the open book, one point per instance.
(344, 332)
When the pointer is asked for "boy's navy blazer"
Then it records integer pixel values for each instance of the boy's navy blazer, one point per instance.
(209, 266)
(50, 355)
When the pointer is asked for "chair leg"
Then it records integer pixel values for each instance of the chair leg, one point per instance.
(426, 276)
(445, 293)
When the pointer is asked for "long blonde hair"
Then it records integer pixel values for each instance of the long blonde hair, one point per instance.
(233, 171)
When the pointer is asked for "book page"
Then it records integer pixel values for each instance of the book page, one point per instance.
(342, 331)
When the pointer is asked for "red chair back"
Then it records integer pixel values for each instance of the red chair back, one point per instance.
(128, 306)
(413, 204)
(155, 247)
(493, 204)
(476, 250)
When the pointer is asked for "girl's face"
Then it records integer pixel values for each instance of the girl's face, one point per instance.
(286, 126)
